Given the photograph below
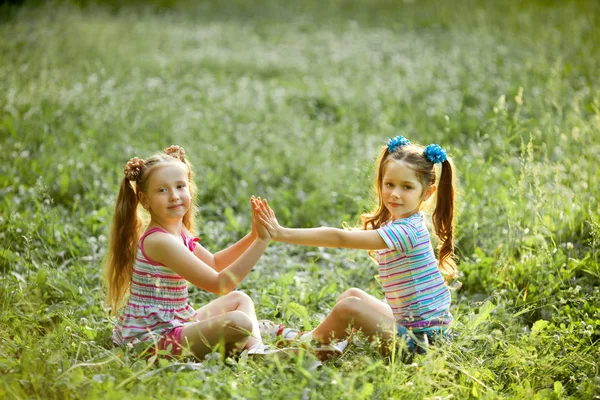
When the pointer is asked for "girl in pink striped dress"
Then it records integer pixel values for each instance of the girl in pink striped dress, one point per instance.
(417, 297)
(149, 267)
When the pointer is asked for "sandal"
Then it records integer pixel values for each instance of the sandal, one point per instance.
(263, 350)
(325, 352)
(280, 332)
(328, 351)
(285, 336)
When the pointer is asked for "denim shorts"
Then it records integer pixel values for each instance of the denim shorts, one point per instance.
(417, 342)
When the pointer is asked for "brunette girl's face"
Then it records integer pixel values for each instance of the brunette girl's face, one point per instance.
(401, 191)
(167, 196)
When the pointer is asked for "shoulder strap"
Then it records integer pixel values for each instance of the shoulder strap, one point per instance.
(150, 231)
(141, 243)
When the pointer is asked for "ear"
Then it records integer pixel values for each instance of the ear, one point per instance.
(429, 192)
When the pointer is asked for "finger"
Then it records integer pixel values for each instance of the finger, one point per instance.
(262, 205)
(263, 214)
(265, 205)
(271, 212)
(264, 222)
(269, 206)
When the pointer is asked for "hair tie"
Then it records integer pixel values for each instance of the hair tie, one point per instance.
(133, 169)
(396, 142)
(175, 152)
(435, 153)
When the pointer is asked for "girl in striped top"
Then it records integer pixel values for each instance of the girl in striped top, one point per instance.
(150, 267)
(417, 298)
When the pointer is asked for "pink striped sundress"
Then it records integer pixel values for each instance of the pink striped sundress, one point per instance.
(158, 300)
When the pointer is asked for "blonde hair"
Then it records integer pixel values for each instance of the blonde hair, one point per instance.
(128, 220)
(443, 214)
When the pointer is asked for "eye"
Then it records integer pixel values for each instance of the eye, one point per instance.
(181, 186)
(407, 187)
(162, 190)
(389, 184)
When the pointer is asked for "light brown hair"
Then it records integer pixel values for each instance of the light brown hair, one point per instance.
(443, 214)
(128, 220)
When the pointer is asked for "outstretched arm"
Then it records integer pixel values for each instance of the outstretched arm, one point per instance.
(223, 258)
(168, 250)
(322, 237)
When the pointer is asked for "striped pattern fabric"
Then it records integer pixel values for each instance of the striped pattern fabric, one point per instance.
(413, 285)
(158, 300)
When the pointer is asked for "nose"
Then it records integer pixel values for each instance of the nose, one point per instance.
(174, 195)
(397, 193)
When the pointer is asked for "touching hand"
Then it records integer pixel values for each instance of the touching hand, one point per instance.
(267, 217)
(255, 221)
(258, 228)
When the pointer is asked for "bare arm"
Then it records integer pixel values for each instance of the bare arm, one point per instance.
(222, 259)
(323, 237)
(171, 252)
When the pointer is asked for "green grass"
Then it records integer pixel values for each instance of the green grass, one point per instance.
(291, 102)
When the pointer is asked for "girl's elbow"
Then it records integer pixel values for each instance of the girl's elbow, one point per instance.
(224, 288)
(223, 285)
(214, 286)
(217, 265)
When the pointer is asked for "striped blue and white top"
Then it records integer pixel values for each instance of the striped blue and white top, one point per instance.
(413, 284)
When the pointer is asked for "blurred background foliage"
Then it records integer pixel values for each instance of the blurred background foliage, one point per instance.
(292, 101)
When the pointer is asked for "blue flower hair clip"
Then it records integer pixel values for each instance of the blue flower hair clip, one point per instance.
(435, 153)
(396, 142)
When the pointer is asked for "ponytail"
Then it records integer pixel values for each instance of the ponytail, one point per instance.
(443, 221)
(125, 232)
(188, 218)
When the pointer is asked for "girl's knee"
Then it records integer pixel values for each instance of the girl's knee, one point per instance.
(239, 321)
(352, 292)
(348, 306)
(240, 297)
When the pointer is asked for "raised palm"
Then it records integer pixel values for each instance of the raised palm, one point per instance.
(267, 217)
(257, 227)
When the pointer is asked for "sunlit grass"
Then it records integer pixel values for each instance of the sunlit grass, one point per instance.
(291, 102)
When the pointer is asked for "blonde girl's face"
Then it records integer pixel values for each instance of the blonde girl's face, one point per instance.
(168, 195)
(401, 191)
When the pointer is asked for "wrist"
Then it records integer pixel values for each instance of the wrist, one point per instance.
(263, 239)
(278, 234)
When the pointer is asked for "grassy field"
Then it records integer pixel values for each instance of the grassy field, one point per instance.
(291, 102)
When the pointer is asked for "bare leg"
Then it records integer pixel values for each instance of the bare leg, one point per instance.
(231, 329)
(365, 313)
(381, 306)
(233, 301)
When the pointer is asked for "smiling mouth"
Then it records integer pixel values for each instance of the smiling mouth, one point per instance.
(177, 206)
(395, 205)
